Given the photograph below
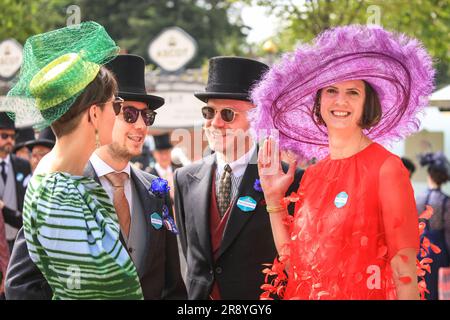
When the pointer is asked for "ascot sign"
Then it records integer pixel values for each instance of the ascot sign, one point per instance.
(10, 58)
(172, 49)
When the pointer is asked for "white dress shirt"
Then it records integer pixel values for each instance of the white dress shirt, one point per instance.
(102, 169)
(164, 173)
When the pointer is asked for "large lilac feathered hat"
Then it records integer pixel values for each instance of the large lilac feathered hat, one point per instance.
(397, 67)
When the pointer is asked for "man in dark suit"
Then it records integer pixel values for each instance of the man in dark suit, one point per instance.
(13, 171)
(225, 230)
(152, 246)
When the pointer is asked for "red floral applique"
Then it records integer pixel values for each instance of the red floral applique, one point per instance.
(275, 280)
(423, 266)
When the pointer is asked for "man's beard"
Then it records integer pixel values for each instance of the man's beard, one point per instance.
(7, 148)
(120, 153)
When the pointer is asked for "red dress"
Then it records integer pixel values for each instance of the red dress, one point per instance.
(353, 216)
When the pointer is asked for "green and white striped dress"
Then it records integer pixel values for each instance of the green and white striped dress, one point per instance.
(72, 235)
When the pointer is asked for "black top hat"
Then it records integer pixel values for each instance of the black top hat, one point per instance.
(23, 136)
(162, 142)
(129, 70)
(6, 122)
(231, 78)
(46, 138)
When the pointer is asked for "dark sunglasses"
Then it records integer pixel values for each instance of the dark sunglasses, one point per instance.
(227, 115)
(131, 114)
(7, 135)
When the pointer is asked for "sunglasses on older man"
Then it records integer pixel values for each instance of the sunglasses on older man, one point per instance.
(131, 114)
(5, 136)
(226, 114)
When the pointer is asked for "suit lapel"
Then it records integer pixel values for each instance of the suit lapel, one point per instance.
(150, 204)
(154, 172)
(200, 187)
(239, 218)
(19, 191)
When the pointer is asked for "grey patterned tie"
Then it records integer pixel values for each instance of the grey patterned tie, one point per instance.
(224, 196)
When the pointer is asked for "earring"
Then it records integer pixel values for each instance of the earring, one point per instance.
(97, 139)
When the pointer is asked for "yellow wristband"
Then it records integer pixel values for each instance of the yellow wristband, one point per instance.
(275, 209)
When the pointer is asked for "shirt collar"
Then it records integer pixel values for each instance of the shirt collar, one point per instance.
(6, 160)
(238, 166)
(160, 169)
(102, 168)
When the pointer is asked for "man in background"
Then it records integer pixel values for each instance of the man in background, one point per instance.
(13, 171)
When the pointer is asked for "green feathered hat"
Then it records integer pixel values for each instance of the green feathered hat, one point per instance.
(57, 66)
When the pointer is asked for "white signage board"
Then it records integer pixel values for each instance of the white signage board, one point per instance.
(172, 49)
(180, 110)
(10, 58)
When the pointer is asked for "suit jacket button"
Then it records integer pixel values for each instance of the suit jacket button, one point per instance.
(218, 270)
(130, 250)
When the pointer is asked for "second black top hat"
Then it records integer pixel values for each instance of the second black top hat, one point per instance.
(162, 142)
(129, 70)
(231, 78)
(46, 138)
(6, 122)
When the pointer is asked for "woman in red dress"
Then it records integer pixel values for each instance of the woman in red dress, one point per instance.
(355, 233)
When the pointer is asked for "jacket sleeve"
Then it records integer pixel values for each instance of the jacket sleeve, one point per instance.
(12, 217)
(179, 214)
(24, 281)
(174, 288)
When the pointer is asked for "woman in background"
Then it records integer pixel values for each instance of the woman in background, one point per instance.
(437, 228)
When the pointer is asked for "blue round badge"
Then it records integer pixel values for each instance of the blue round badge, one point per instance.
(246, 204)
(156, 221)
(19, 176)
(341, 200)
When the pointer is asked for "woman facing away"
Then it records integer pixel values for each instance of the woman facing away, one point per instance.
(354, 234)
(437, 228)
(70, 225)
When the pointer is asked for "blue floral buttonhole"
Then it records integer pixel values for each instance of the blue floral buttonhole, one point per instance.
(160, 187)
(257, 185)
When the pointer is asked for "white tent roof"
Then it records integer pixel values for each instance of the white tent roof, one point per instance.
(441, 98)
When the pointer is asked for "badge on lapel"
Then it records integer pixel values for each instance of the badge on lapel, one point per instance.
(156, 220)
(19, 176)
(246, 204)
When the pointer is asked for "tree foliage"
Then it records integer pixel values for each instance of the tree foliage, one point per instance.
(427, 20)
(132, 23)
(135, 23)
(20, 19)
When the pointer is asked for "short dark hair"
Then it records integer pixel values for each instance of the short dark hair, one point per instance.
(102, 88)
(409, 165)
(371, 110)
(438, 175)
